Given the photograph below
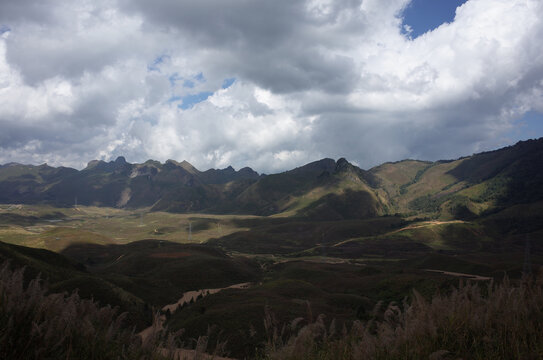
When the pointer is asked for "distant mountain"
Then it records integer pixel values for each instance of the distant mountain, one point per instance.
(171, 186)
(467, 187)
(321, 190)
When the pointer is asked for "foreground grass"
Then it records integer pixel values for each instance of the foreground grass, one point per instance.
(498, 321)
(473, 321)
(37, 325)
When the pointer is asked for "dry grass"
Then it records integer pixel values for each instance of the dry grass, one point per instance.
(474, 321)
(497, 321)
(38, 325)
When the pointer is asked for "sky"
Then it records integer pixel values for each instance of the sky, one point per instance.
(267, 84)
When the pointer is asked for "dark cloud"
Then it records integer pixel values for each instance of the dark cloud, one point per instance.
(15, 11)
(279, 45)
(315, 78)
(238, 24)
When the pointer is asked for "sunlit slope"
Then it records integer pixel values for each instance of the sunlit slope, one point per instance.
(179, 187)
(395, 177)
(468, 187)
(42, 226)
(322, 190)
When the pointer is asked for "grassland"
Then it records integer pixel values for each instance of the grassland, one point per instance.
(53, 228)
(298, 267)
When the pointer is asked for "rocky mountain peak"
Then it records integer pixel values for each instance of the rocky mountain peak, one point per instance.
(120, 160)
(342, 164)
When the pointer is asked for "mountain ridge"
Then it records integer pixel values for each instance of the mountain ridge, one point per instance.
(321, 189)
(184, 163)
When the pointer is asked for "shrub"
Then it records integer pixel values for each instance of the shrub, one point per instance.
(498, 321)
(38, 325)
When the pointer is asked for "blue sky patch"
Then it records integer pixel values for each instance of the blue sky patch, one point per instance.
(188, 84)
(530, 126)
(228, 82)
(174, 99)
(155, 65)
(200, 77)
(4, 28)
(190, 100)
(174, 78)
(421, 16)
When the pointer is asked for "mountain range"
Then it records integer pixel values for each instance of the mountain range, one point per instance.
(322, 190)
(336, 239)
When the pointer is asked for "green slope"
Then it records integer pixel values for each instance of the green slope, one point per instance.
(324, 189)
(467, 187)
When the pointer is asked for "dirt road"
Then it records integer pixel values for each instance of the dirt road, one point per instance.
(193, 295)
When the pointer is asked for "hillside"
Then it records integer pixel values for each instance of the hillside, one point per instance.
(322, 190)
(467, 187)
(327, 237)
(171, 186)
(66, 275)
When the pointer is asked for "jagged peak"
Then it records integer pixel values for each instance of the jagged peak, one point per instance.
(115, 165)
(152, 162)
(325, 164)
(354, 173)
(185, 165)
(93, 163)
(171, 161)
(247, 169)
(342, 162)
(188, 166)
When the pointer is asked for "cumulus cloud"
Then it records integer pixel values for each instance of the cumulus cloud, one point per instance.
(308, 79)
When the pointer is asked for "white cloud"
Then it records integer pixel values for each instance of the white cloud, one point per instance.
(82, 80)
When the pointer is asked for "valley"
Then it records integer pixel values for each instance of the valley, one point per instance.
(326, 238)
(54, 228)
